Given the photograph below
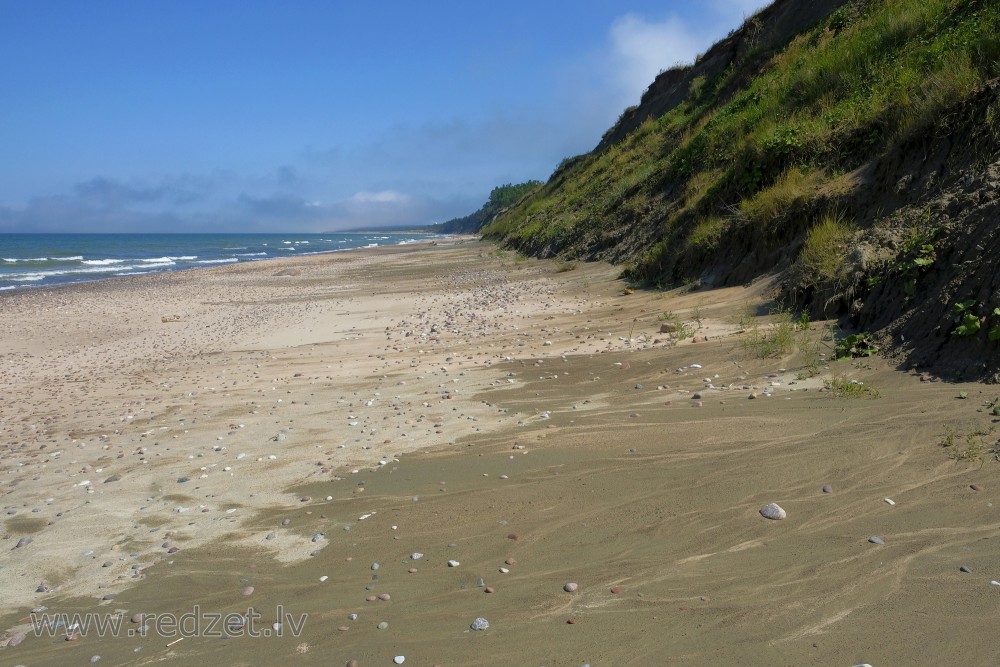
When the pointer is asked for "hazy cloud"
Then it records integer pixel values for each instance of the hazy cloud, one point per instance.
(642, 49)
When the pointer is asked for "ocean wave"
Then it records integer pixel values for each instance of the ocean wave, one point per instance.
(88, 270)
(103, 262)
(14, 260)
(286, 248)
(251, 254)
(3, 289)
(228, 260)
(239, 248)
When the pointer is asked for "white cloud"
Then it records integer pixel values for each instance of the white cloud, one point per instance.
(641, 49)
(381, 197)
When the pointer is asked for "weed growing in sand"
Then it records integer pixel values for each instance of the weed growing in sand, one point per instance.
(861, 344)
(975, 443)
(680, 330)
(841, 387)
(812, 357)
(564, 266)
(747, 316)
(696, 314)
(772, 341)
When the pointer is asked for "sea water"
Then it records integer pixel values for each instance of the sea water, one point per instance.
(33, 260)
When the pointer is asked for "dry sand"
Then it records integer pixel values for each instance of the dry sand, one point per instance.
(171, 440)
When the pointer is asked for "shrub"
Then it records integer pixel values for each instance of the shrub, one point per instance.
(823, 258)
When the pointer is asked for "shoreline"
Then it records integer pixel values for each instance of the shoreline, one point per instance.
(444, 239)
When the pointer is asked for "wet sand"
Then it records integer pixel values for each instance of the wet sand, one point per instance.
(476, 408)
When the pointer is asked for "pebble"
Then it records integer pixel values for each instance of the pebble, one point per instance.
(384, 597)
(480, 582)
(773, 511)
(351, 663)
(964, 568)
(399, 659)
(889, 501)
(453, 563)
(874, 539)
(375, 566)
(416, 555)
(480, 624)
(570, 587)
(489, 589)
(382, 626)
(827, 488)
(247, 591)
(23, 542)
(974, 487)
(136, 617)
(616, 590)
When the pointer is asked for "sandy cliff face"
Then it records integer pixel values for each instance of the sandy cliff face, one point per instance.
(851, 148)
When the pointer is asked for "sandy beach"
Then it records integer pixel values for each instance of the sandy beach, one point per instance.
(397, 442)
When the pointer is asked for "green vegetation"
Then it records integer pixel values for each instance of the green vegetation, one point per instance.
(857, 345)
(746, 167)
(823, 258)
(841, 387)
(501, 197)
(975, 443)
(774, 340)
(968, 321)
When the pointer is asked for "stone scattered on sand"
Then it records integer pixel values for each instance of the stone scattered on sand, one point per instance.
(974, 487)
(875, 539)
(773, 511)
(23, 542)
(480, 624)
(965, 569)
(247, 591)
(453, 563)
(570, 587)
(399, 659)
(615, 590)
(384, 597)
(383, 625)
(827, 488)
(889, 501)
(416, 555)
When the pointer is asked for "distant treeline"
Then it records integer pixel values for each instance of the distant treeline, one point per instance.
(502, 197)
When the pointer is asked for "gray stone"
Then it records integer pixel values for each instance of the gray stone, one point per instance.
(773, 511)
(874, 539)
(480, 624)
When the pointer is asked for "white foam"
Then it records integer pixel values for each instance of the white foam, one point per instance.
(102, 262)
(14, 260)
(218, 261)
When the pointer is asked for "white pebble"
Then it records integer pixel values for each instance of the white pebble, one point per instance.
(889, 501)
(399, 659)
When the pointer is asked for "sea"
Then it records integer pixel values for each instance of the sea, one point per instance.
(42, 260)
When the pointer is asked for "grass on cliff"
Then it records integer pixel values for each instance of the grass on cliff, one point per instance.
(867, 77)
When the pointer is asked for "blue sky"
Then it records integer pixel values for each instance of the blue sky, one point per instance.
(216, 115)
